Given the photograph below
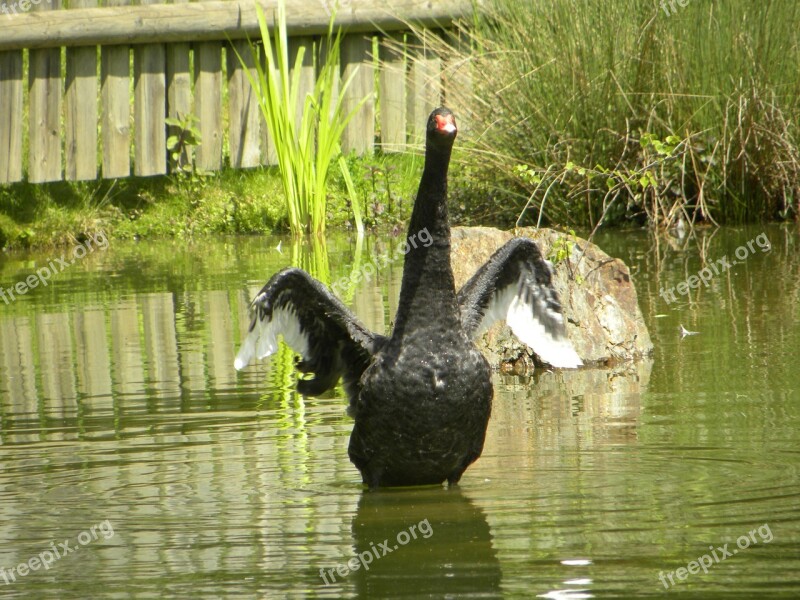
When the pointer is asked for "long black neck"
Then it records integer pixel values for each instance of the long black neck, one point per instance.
(427, 294)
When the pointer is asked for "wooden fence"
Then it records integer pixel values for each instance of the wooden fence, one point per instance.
(102, 80)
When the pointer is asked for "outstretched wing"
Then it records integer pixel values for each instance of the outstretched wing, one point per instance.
(515, 285)
(331, 341)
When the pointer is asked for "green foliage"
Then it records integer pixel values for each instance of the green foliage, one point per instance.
(186, 205)
(305, 149)
(561, 251)
(618, 113)
(383, 186)
(562, 248)
(180, 144)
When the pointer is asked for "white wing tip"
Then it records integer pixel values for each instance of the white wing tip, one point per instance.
(555, 350)
(246, 352)
(259, 343)
(262, 339)
(564, 357)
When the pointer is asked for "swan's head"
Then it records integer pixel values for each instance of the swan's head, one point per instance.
(442, 125)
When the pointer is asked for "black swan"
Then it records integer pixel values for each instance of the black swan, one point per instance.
(421, 398)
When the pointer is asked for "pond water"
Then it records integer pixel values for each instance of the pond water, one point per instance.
(136, 463)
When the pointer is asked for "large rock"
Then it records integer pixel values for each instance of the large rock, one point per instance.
(604, 322)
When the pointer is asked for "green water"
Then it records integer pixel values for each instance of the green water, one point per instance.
(126, 434)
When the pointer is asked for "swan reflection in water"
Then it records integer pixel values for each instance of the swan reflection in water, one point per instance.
(428, 541)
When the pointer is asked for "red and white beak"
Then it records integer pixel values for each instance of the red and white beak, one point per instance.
(446, 123)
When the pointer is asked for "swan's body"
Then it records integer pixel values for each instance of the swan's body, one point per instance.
(421, 398)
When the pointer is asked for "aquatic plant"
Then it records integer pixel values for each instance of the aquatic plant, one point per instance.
(305, 147)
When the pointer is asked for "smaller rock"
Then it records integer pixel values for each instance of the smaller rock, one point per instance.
(599, 300)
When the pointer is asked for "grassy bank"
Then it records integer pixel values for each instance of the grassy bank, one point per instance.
(182, 205)
(632, 111)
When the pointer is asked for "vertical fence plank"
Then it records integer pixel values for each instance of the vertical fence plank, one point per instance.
(150, 157)
(116, 111)
(208, 104)
(81, 108)
(424, 85)
(179, 90)
(244, 123)
(11, 116)
(115, 93)
(393, 84)
(356, 61)
(44, 104)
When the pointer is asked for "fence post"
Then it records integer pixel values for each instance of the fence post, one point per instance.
(208, 103)
(81, 108)
(44, 119)
(243, 108)
(11, 116)
(179, 93)
(356, 60)
(150, 156)
(116, 112)
(393, 88)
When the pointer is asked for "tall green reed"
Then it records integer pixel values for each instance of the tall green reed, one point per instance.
(305, 149)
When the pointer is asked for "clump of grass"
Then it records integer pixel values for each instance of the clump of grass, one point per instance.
(305, 150)
(586, 112)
